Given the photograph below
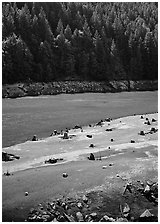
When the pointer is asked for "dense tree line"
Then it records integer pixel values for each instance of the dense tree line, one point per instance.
(86, 41)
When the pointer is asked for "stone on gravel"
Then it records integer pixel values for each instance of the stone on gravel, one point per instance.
(126, 209)
(146, 213)
(69, 218)
(89, 136)
(106, 218)
(142, 133)
(85, 199)
(93, 215)
(121, 220)
(79, 205)
(147, 189)
(79, 217)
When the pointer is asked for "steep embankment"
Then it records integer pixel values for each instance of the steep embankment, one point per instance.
(53, 88)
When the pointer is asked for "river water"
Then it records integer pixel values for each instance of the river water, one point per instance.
(24, 117)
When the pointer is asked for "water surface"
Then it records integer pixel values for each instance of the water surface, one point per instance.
(24, 117)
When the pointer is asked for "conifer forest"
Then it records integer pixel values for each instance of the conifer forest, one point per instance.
(100, 41)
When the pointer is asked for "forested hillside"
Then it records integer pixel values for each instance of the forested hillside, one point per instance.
(45, 42)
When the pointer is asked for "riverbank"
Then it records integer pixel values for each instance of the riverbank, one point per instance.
(71, 87)
(128, 157)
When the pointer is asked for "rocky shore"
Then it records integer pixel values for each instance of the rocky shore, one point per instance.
(120, 184)
(71, 87)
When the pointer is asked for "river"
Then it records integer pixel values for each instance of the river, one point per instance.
(24, 117)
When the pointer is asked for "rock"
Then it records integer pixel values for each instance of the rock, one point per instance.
(149, 183)
(89, 136)
(121, 220)
(88, 219)
(69, 218)
(54, 220)
(26, 193)
(154, 120)
(65, 136)
(132, 141)
(146, 213)
(65, 175)
(92, 145)
(147, 189)
(153, 130)
(142, 117)
(79, 205)
(46, 218)
(79, 217)
(61, 218)
(126, 208)
(147, 122)
(91, 157)
(142, 133)
(77, 126)
(111, 164)
(85, 199)
(34, 138)
(104, 167)
(112, 140)
(93, 215)
(108, 119)
(109, 129)
(105, 218)
(51, 161)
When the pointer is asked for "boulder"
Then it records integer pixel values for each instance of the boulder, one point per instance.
(65, 175)
(91, 157)
(89, 136)
(132, 141)
(65, 136)
(26, 193)
(92, 146)
(142, 133)
(35, 138)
